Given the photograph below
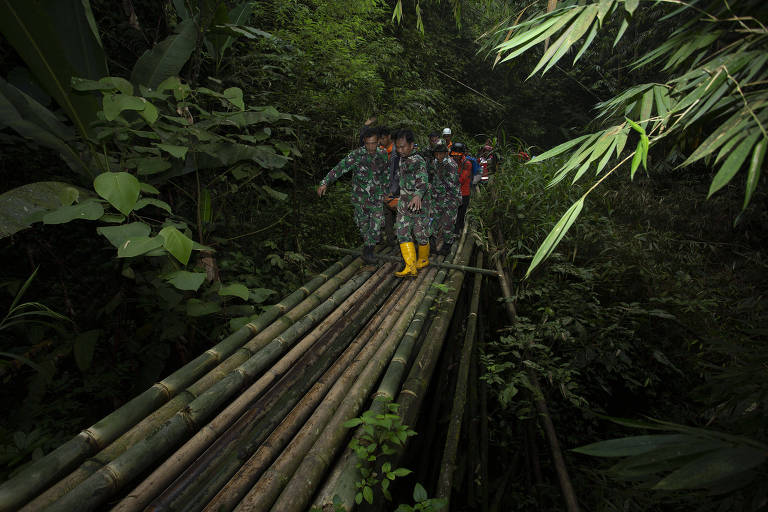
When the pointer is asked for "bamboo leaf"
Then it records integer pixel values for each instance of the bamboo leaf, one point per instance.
(636, 160)
(121, 189)
(167, 58)
(577, 29)
(562, 148)
(556, 235)
(733, 163)
(645, 107)
(631, 5)
(755, 166)
(587, 42)
(622, 29)
(712, 467)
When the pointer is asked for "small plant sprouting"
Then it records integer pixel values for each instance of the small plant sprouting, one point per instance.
(380, 433)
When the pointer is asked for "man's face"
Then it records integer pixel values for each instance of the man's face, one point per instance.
(440, 155)
(404, 148)
(385, 141)
(447, 137)
(370, 144)
(433, 140)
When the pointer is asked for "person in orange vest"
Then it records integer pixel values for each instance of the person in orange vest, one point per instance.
(459, 154)
(447, 136)
(385, 140)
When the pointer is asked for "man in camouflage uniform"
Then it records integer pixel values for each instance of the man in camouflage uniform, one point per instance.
(444, 197)
(413, 207)
(369, 164)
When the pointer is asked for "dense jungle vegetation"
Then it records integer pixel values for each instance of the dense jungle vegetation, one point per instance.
(160, 160)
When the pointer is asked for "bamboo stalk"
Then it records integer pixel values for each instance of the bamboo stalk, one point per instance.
(460, 396)
(483, 423)
(452, 266)
(184, 456)
(105, 482)
(341, 403)
(266, 327)
(341, 482)
(506, 289)
(363, 348)
(564, 479)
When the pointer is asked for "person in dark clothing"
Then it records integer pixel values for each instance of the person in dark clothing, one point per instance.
(459, 154)
(392, 193)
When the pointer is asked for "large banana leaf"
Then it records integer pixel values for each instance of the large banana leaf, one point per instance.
(167, 58)
(30, 31)
(79, 36)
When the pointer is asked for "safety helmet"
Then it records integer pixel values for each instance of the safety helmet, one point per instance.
(458, 148)
(447, 131)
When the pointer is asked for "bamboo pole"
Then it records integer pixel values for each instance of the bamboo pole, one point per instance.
(363, 348)
(41, 473)
(340, 484)
(460, 396)
(341, 403)
(105, 482)
(268, 326)
(382, 282)
(438, 264)
(569, 495)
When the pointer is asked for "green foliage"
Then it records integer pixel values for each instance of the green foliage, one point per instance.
(378, 435)
(422, 501)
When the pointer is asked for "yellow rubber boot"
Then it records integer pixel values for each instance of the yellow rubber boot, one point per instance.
(409, 256)
(423, 260)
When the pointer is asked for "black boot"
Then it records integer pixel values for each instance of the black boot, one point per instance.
(368, 256)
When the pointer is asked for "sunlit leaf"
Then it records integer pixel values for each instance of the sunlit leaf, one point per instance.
(733, 163)
(556, 235)
(121, 189)
(176, 243)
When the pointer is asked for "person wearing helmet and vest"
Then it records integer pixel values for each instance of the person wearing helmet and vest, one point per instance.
(369, 167)
(412, 208)
(447, 136)
(459, 155)
(444, 197)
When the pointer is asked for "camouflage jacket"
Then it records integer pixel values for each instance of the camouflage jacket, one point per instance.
(370, 172)
(444, 181)
(414, 179)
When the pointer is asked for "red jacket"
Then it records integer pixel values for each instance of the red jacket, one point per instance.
(465, 175)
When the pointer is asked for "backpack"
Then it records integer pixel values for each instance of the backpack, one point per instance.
(477, 171)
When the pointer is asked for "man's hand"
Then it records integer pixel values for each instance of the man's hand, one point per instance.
(321, 190)
(415, 204)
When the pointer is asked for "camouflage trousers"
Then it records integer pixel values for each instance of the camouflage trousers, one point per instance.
(369, 217)
(411, 226)
(443, 220)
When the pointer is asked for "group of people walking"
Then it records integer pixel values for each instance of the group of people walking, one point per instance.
(413, 196)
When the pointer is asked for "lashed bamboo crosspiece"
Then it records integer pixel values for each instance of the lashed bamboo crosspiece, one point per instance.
(41, 473)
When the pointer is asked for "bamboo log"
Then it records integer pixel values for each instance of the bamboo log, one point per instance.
(105, 482)
(438, 264)
(340, 404)
(173, 499)
(265, 328)
(363, 348)
(506, 289)
(341, 482)
(460, 396)
(30, 481)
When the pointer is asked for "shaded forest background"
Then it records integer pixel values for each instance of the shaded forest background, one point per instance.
(653, 307)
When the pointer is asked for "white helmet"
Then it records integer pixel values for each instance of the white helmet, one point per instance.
(446, 131)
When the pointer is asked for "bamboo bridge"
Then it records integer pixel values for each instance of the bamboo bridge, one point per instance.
(257, 421)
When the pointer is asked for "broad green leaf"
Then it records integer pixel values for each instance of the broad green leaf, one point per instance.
(712, 467)
(29, 29)
(556, 235)
(112, 218)
(733, 163)
(176, 243)
(146, 188)
(83, 348)
(90, 209)
(235, 290)
(419, 493)
(280, 196)
(136, 246)
(117, 235)
(148, 165)
(177, 151)
(235, 96)
(368, 494)
(149, 201)
(184, 280)
(755, 165)
(114, 104)
(149, 113)
(197, 307)
(259, 295)
(169, 84)
(121, 189)
(105, 84)
(167, 58)
(79, 37)
(18, 204)
(634, 445)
